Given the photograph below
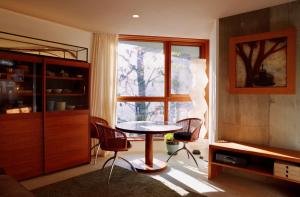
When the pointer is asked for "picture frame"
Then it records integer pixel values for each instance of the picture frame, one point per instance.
(263, 63)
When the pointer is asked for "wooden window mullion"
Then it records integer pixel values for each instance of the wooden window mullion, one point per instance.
(167, 48)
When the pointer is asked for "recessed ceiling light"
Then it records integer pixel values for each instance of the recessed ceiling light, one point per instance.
(135, 16)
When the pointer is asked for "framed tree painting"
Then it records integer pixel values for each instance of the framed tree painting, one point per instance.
(263, 63)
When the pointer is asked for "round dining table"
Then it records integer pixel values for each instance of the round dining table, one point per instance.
(148, 128)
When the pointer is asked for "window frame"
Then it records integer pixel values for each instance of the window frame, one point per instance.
(167, 42)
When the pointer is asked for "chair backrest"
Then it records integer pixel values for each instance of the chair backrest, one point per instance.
(94, 131)
(111, 139)
(192, 125)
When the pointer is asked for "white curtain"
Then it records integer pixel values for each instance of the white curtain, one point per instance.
(103, 82)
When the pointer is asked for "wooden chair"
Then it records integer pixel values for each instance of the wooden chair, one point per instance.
(113, 140)
(95, 133)
(190, 133)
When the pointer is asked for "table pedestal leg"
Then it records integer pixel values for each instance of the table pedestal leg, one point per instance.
(149, 164)
(149, 150)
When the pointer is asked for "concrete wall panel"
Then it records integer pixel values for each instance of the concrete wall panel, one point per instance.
(260, 119)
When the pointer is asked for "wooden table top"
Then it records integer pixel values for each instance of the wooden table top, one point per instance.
(148, 127)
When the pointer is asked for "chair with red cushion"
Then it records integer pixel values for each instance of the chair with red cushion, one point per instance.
(95, 133)
(190, 133)
(113, 140)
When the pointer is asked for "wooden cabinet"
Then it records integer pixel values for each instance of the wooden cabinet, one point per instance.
(66, 135)
(21, 144)
(44, 114)
(66, 139)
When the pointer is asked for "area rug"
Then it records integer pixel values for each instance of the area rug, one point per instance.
(123, 183)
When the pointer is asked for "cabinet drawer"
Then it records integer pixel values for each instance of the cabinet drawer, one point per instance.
(21, 145)
(287, 170)
(66, 140)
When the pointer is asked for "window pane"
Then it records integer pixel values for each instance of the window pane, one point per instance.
(181, 75)
(179, 110)
(140, 111)
(140, 68)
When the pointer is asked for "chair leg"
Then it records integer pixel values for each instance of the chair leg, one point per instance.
(184, 147)
(175, 153)
(112, 166)
(108, 161)
(95, 146)
(189, 152)
(132, 167)
(96, 154)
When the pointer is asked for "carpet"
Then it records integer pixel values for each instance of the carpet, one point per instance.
(123, 183)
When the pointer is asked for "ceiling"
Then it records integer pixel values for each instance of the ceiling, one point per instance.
(179, 18)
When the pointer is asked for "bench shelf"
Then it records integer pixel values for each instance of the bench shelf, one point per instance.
(251, 151)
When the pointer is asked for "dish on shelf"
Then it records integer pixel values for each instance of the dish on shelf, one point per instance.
(25, 91)
(79, 76)
(70, 107)
(64, 74)
(50, 73)
(13, 111)
(19, 110)
(10, 70)
(67, 91)
(57, 91)
(60, 106)
(24, 68)
(20, 103)
(49, 91)
(25, 109)
(50, 105)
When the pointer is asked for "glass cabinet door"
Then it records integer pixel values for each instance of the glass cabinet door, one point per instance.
(66, 88)
(20, 86)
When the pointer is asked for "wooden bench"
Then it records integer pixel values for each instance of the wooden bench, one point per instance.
(257, 156)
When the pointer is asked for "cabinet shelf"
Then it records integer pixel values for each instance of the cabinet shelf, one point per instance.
(254, 169)
(22, 94)
(68, 94)
(28, 94)
(25, 75)
(65, 78)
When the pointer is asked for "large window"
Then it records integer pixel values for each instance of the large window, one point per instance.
(154, 77)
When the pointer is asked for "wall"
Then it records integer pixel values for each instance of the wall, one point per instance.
(20, 24)
(261, 119)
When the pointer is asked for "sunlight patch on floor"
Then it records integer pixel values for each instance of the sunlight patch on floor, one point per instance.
(180, 162)
(172, 186)
(195, 170)
(192, 182)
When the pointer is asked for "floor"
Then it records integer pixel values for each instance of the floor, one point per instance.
(183, 176)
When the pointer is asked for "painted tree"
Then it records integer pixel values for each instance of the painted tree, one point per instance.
(253, 62)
